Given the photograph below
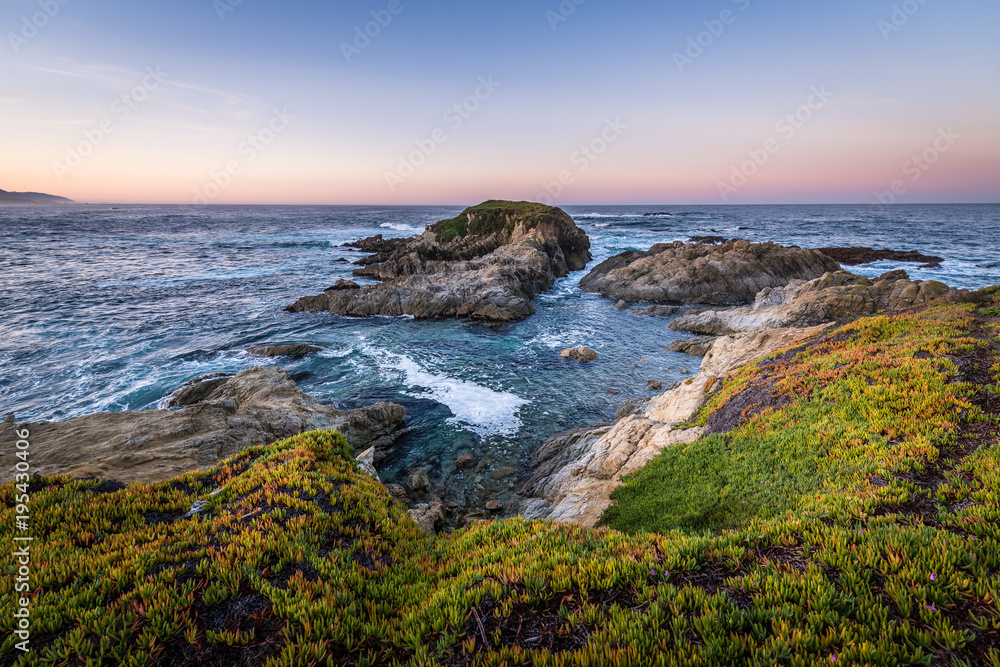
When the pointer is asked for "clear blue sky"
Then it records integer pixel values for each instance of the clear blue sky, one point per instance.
(608, 76)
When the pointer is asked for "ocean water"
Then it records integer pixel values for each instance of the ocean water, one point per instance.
(112, 308)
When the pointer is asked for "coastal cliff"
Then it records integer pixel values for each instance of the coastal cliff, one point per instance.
(487, 264)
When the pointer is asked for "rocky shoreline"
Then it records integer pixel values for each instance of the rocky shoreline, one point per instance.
(488, 264)
(795, 294)
(212, 418)
(575, 472)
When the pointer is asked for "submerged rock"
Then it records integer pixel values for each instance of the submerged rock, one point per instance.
(294, 351)
(688, 273)
(658, 311)
(488, 263)
(581, 354)
(575, 472)
(257, 407)
(838, 295)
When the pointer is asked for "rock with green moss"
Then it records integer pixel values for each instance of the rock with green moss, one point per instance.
(487, 263)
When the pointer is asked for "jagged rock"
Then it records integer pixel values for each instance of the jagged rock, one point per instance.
(494, 505)
(581, 354)
(418, 481)
(465, 460)
(654, 385)
(658, 311)
(487, 264)
(366, 461)
(397, 492)
(256, 407)
(858, 255)
(343, 285)
(679, 273)
(473, 517)
(696, 347)
(631, 407)
(575, 472)
(196, 390)
(430, 517)
(294, 351)
(839, 295)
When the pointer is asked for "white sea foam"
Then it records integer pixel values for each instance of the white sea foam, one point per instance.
(475, 407)
(599, 216)
(399, 227)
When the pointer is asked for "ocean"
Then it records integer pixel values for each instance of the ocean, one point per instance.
(112, 308)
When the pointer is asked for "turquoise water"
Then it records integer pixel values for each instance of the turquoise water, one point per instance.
(114, 308)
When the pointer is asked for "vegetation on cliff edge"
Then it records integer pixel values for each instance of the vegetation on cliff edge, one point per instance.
(885, 552)
(491, 217)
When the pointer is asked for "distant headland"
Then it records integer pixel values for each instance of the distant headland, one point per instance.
(31, 199)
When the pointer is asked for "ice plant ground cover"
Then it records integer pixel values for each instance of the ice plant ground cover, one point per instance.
(867, 460)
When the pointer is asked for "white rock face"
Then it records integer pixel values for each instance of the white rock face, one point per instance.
(575, 472)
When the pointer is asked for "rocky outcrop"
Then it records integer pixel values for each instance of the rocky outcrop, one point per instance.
(575, 472)
(859, 255)
(838, 295)
(696, 347)
(689, 273)
(256, 407)
(487, 264)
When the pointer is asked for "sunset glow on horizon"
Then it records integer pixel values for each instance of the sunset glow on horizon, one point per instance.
(572, 102)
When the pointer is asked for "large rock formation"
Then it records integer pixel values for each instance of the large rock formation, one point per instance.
(575, 472)
(838, 295)
(256, 407)
(687, 273)
(488, 264)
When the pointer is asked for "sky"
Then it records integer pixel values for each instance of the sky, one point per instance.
(454, 102)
